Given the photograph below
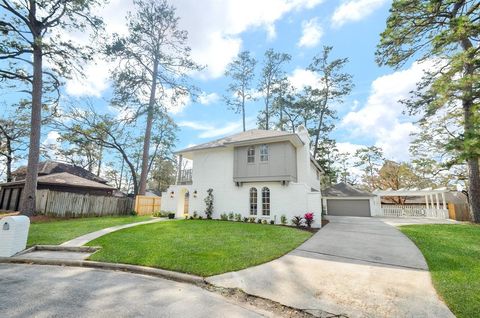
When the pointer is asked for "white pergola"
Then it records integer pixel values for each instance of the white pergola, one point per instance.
(433, 199)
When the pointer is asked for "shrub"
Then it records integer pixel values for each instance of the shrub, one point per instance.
(200, 217)
(171, 215)
(230, 216)
(283, 219)
(224, 217)
(251, 219)
(259, 221)
(161, 214)
(264, 222)
(309, 219)
(209, 203)
(238, 217)
(134, 213)
(297, 221)
(245, 219)
(272, 222)
(195, 214)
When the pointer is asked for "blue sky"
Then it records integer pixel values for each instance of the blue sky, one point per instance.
(219, 30)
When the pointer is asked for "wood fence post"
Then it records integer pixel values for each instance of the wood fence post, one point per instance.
(451, 211)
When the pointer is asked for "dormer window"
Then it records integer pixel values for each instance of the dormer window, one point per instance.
(251, 154)
(263, 152)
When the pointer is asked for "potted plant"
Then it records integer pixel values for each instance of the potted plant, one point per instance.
(171, 215)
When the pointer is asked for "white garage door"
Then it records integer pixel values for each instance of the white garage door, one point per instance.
(348, 207)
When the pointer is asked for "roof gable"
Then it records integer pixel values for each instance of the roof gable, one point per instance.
(344, 190)
(249, 135)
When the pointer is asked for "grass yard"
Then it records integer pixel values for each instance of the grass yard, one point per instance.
(198, 247)
(453, 256)
(59, 231)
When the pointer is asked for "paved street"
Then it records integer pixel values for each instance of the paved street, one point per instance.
(54, 291)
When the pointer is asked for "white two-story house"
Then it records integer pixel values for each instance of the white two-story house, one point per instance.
(257, 173)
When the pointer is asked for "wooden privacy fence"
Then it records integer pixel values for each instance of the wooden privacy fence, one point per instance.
(146, 205)
(66, 204)
(459, 212)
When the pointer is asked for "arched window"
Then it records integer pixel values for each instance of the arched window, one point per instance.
(251, 154)
(265, 201)
(253, 201)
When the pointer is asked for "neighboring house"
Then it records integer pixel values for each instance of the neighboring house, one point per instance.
(50, 167)
(345, 200)
(53, 176)
(257, 173)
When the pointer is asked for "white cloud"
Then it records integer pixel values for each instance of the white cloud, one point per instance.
(207, 99)
(214, 29)
(312, 32)
(382, 116)
(51, 144)
(355, 10)
(95, 82)
(301, 78)
(227, 129)
(211, 131)
(195, 125)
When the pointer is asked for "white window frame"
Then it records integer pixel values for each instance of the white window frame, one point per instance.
(253, 200)
(266, 201)
(251, 154)
(264, 156)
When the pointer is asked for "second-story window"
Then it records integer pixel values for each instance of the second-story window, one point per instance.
(251, 154)
(263, 152)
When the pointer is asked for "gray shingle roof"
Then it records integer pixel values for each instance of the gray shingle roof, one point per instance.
(344, 190)
(65, 179)
(251, 134)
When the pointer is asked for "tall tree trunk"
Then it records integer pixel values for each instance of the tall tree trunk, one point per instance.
(29, 191)
(469, 127)
(9, 159)
(148, 131)
(267, 102)
(243, 110)
(474, 188)
(99, 168)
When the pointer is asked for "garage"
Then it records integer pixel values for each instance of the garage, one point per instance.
(348, 207)
(344, 200)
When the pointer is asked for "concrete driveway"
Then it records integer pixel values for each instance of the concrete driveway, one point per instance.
(55, 291)
(358, 267)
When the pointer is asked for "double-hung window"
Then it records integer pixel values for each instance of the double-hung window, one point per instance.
(263, 152)
(251, 154)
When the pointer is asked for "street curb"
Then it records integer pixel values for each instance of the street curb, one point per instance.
(135, 269)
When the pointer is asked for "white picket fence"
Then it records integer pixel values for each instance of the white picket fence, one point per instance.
(413, 211)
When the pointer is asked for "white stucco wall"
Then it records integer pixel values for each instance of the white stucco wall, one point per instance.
(213, 168)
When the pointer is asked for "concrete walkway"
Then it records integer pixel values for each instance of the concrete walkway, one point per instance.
(54, 291)
(359, 267)
(84, 239)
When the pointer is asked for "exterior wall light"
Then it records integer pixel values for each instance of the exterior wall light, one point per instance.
(172, 194)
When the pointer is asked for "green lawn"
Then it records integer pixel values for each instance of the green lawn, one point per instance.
(453, 256)
(56, 232)
(198, 247)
